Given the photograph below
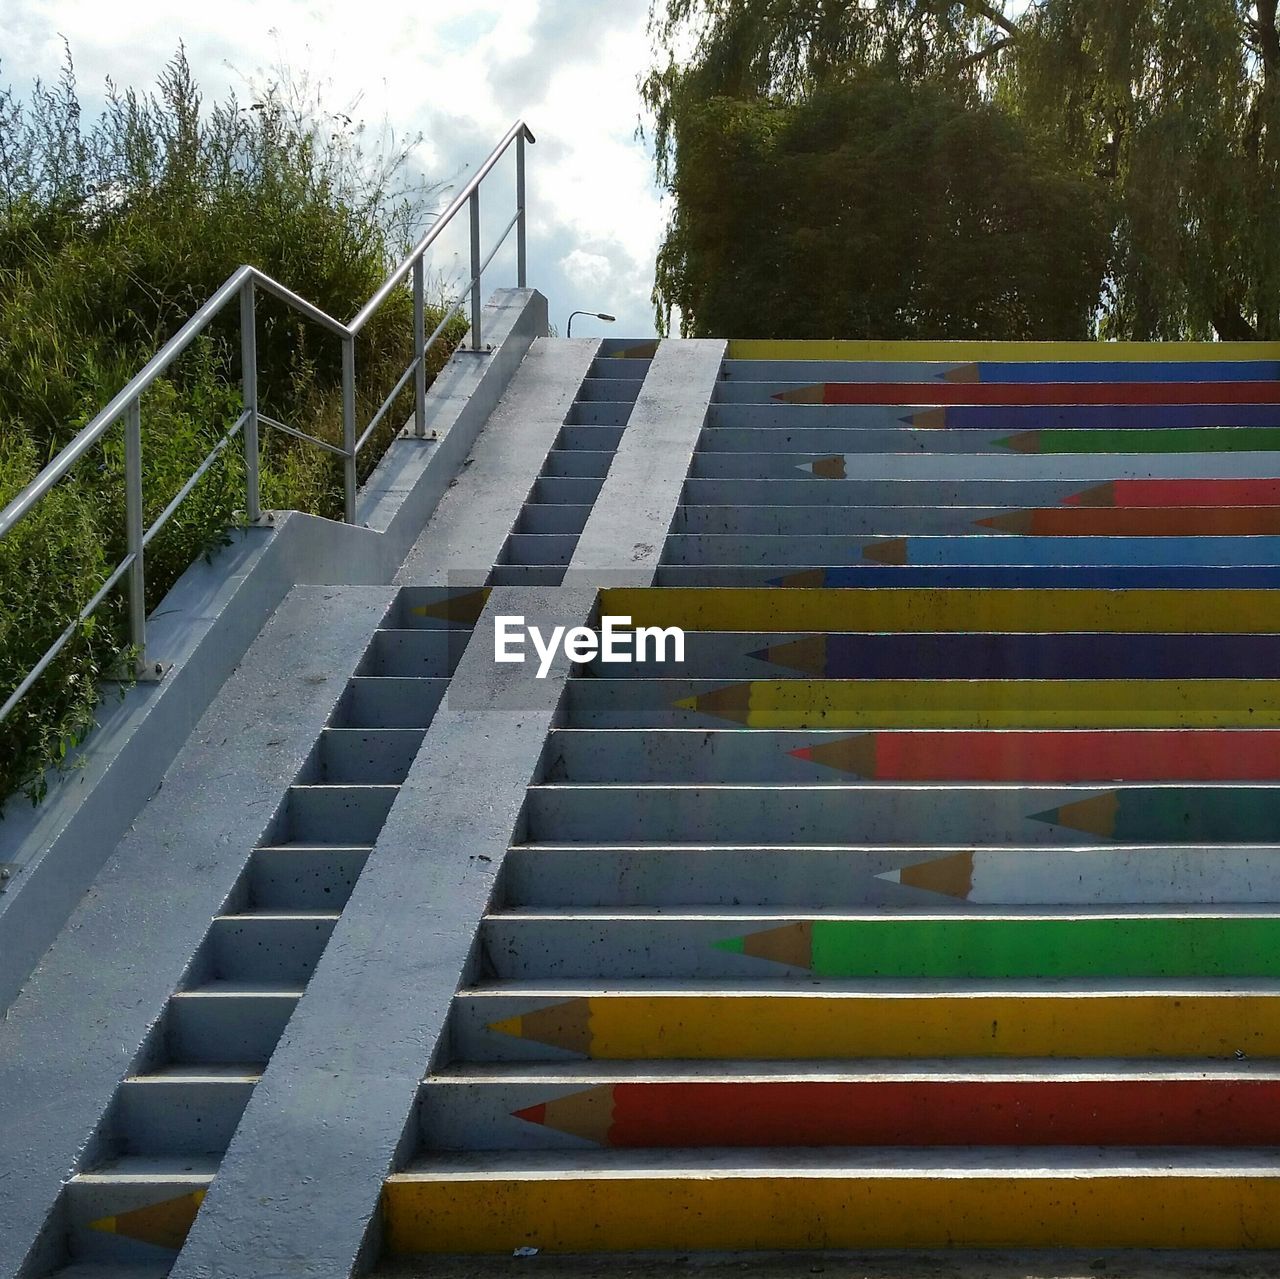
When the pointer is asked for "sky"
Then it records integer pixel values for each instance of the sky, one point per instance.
(456, 71)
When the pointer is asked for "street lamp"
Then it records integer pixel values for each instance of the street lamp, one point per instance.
(597, 315)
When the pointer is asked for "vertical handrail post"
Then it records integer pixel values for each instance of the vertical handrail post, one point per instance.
(349, 428)
(249, 383)
(419, 341)
(137, 578)
(521, 245)
(476, 337)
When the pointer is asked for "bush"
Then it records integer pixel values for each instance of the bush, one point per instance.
(111, 235)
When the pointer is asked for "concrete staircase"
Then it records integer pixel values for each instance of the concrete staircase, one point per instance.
(931, 901)
(937, 911)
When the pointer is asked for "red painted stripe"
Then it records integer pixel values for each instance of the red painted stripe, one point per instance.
(1051, 393)
(1004, 1113)
(1227, 755)
(1139, 521)
(1191, 493)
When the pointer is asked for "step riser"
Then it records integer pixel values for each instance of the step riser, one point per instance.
(275, 949)
(574, 491)
(750, 523)
(166, 1206)
(226, 1029)
(540, 548)
(1128, 577)
(1007, 372)
(821, 1026)
(903, 815)
(1039, 394)
(1006, 418)
(333, 814)
(375, 702)
(552, 520)
(560, 948)
(919, 1112)
(179, 1118)
(765, 1211)
(417, 653)
(571, 463)
(599, 413)
(841, 703)
(366, 756)
(304, 879)
(435, 608)
(911, 489)
(527, 575)
(1084, 469)
(949, 656)
(972, 549)
(938, 879)
(592, 439)
(631, 368)
(613, 390)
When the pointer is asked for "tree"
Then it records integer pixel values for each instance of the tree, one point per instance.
(877, 209)
(1170, 104)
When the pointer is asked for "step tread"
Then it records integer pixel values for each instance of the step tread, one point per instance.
(841, 1162)
(204, 1073)
(748, 915)
(871, 988)
(1038, 1069)
(194, 1170)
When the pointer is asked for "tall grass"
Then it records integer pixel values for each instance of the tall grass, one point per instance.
(112, 232)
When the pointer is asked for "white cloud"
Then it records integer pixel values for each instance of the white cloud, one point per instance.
(458, 71)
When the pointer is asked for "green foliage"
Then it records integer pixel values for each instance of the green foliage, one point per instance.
(1170, 106)
(876, 208)
(111, 235)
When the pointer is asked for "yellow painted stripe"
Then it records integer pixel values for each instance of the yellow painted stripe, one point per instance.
(574, 1212)
(987, 703)
(789, 1027)
(968, 352)
(955, 609)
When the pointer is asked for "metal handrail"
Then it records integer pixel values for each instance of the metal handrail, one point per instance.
(243, 285)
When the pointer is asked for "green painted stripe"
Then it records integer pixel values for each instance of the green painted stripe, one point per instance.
(1224, 439)
(1137, 947)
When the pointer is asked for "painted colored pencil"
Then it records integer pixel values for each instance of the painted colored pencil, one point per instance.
(1041, 393)
(1175, 814)
(1011, 756)
(1180, 493)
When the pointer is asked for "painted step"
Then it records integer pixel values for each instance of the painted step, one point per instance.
(904, 814)
(778, 756)
(384, 702)
(227, 1023)
(841, 440)
(1138, 611)
(1008, 418)
(694, 1105)
(911, 521)
(935, 393)
(901, 879)
(304, 876)
(925, 703)
(967, 351)
(791, 1021)
(423, 654)
(326, 814)
(541, 519)
(1008, 491)
(364, 756)
(1000, 371)
(128, 1210)
(793, 1198)
(278, 948)
(975, 548)
(615, 945)
(182, 1110)
(1130, 577)
(430, 607)
(831, 468)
